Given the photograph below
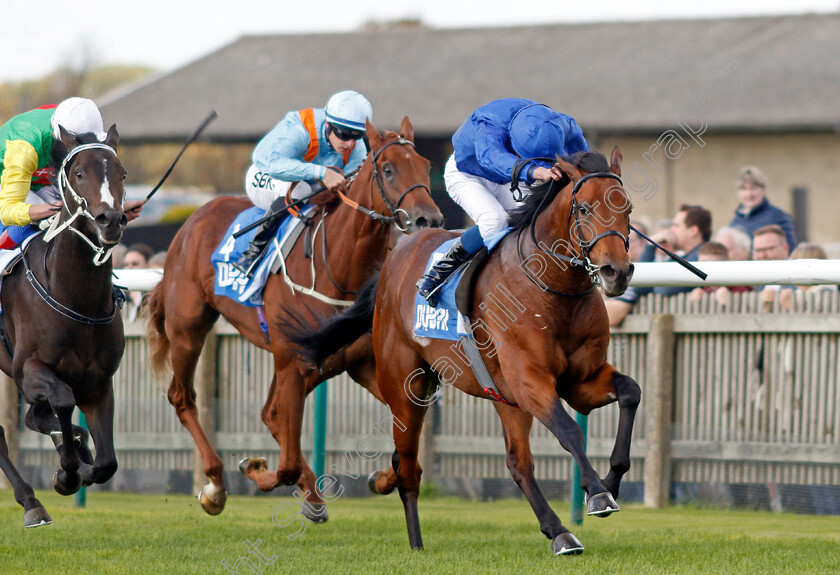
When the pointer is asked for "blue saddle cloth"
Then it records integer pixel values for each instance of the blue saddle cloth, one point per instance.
(445, 321)
(230, 282)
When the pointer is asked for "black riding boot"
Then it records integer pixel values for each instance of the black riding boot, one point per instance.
(455, 257)
(250, 258)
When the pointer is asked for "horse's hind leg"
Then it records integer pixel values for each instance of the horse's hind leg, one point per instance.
(520, 461)
(186, 338)
(34, 513)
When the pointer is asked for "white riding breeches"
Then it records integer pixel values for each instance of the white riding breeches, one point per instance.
(263, 189)
(486, 202)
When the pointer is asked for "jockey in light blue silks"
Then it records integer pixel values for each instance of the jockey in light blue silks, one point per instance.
(302, 148)
(493, 140)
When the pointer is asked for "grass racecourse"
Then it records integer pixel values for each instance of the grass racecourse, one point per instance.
(150, 534)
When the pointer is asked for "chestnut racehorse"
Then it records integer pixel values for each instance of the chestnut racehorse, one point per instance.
(541, 327)
(392, 184)
(63, 327)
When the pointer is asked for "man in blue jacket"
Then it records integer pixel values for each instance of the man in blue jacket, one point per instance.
(494, 139)
(755, 211)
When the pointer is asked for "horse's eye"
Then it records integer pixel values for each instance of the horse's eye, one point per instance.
(582, 210)
(125, 174)
(80, 175)
(387, 170)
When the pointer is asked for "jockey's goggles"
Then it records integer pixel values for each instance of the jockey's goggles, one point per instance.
(345, 134)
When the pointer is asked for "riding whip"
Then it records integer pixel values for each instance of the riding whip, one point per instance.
(189, 141)
(673, 256)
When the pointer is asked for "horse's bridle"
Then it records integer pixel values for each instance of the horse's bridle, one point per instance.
(64, 187)
(584, 246)
(394, 208)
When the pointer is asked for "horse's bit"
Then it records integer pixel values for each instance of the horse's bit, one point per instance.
(64, 186)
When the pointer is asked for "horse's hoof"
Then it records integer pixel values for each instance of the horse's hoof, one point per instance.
(61, 488)
(212, 500)
(315, 513)
(601, 505)
(252, 464)
(36, 517)
(566, 544)
(372, 482)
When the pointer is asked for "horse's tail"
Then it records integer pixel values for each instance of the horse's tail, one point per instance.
(156, 332)
(333, 333)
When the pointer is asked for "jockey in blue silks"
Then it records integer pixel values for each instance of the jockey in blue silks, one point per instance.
(303, 148)
(493, 140)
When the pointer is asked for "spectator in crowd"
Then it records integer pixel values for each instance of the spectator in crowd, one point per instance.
(136, 257)
(637, 242)
(769, 244)
(157, 261)
(738, 243)
(117, 255)
(755, 210)
(691, 228)
(789, 295)
(715, 252)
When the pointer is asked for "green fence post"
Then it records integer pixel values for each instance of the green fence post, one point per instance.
(319, 432)
(577, 493)
(81, 494)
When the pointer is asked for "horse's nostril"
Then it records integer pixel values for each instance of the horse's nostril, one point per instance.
(101, 220)
(421, 223)
(608, 271)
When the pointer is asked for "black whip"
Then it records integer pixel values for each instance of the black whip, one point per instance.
(674, 256)
(189, 141)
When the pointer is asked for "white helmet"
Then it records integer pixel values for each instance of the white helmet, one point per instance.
(349, 109)
(78, 116)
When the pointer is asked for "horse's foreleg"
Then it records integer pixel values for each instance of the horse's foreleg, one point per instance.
(41, 418)
(40, 384)
(100, 421)
(536, 394)
(520, 461)
(607, 386)
(34, 513)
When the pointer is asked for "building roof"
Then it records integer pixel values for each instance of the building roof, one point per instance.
(740, 74)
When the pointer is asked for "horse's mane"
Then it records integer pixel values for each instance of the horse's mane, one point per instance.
(588, 162)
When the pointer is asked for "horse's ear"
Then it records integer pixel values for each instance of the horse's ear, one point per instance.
(373, 135)
(407, 130)
(564, 167)
(67, 138)
(615, 161)
(113, 137)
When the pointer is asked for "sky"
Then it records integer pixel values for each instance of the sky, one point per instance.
(38, 36)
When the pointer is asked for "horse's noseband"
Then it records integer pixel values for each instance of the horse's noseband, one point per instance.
(64, 187)
(394, 208)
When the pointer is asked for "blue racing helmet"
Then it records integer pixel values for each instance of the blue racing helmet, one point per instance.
(536, 131)
(349, 109)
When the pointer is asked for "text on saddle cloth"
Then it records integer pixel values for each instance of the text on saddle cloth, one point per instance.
(230, 282)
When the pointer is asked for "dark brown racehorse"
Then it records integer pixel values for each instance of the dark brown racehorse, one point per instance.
(393, 182)
(62, 321)
(542, 331)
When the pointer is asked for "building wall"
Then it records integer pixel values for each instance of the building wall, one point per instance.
(706, 175)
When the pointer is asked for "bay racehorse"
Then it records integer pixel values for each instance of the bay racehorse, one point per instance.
(64, 332)
(392, 183)
(541, 328)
